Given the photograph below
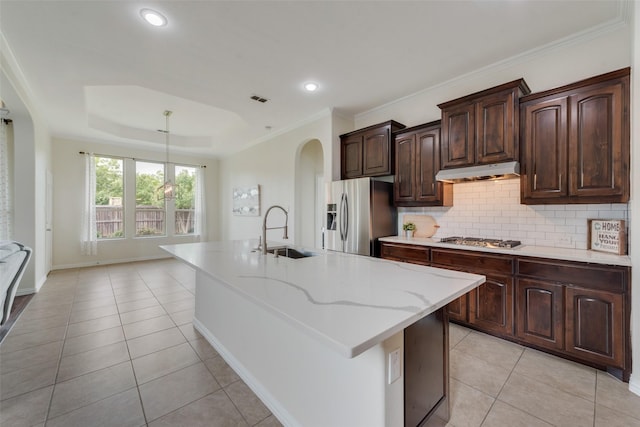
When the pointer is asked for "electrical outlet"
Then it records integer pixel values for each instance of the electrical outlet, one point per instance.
(565, 240)
(394, 365)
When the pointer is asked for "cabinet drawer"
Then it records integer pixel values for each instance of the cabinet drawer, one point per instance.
(472, 262)
(607, 278)
(407, 253)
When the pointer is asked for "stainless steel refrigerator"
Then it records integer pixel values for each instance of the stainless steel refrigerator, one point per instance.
(359, 211)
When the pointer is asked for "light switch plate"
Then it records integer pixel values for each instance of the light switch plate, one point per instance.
(394, 365)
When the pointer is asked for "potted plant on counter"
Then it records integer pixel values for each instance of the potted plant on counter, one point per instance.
(409, 228)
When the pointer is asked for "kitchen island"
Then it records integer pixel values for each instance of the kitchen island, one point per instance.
(313, 336)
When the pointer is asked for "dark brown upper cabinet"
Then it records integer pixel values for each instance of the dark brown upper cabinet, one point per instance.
(368, 151)
(575, 142)
(417, 162)
(482, 128)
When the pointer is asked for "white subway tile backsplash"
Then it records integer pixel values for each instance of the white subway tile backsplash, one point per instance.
(493, 209)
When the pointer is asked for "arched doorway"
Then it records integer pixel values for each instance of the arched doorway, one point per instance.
(309, 187)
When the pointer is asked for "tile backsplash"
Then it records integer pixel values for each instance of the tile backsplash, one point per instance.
(492, 209)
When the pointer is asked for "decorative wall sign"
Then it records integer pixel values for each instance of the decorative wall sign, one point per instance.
(246, 201)
(607, 235)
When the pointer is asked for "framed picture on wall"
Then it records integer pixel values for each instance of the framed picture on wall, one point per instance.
(607, 235)
(246, 201)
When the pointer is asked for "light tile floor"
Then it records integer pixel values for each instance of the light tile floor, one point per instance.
(114, 346)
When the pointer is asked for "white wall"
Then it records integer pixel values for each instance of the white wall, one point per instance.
(68, 189)
(31, 160)
(270, 164)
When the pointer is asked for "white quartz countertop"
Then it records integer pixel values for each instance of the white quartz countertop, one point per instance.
(566, 254)
(349, 302)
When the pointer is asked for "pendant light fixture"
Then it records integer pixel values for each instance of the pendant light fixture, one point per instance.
(167, 190)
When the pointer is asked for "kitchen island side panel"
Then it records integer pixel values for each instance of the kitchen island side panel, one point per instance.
(302, 381)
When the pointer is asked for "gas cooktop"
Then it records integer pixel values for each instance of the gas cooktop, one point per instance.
(478, 241)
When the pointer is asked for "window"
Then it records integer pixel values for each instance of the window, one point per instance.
(185, 199)
(109, 198)
(150, 206)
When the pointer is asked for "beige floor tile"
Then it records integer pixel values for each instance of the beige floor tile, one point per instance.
(181, 305)
(93, 313)
(606, 417)
(615, 395)
(546, 402)
(93, 325)
(251, 408)
(41, 313)
(27, 326)
(163, 362)
(490, 349)
(128, 286)
(170, 392)
(30, 357)
(20, 342)
(180, 295)
(137, 304)
(222, 372)
(215, 409)
(93, 303)
(142, 314)
(134, 296)
(92, 360)
(120, 410)
(477, 373)
(456, 334)
(26, 410)
(182, 317)
(190, 332)
(88, 342)
(559, 373)
(203, 348)
(468, 405)
(88, 295)
(30, 378)
(156, 341)
(503, 415)
(87, 389)
(270, 421)
(145, 327)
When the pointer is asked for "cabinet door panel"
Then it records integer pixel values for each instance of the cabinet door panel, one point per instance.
(495, 129)
(596, 142)
(545, 149)
(540, 313)
(376, 152)
(458, 136)
(491, 305)
(352, 157)
(428, 164)
(457, 309)
(595, 326)
(404, 184)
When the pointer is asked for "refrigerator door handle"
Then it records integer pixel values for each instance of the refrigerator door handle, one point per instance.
(341, 217)
(345, 217)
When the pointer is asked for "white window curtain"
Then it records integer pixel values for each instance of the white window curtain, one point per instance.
(200, 226)
(6, 205)
(89, 236)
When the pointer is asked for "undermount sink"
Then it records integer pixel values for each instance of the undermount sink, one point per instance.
(288, 252)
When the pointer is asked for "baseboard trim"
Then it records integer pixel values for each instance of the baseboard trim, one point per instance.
(269, 400)
(634, 384)
(108, 262)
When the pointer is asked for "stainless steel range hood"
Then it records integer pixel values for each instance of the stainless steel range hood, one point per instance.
(484, 172)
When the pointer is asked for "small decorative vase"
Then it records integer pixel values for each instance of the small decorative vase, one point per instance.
(408, 233)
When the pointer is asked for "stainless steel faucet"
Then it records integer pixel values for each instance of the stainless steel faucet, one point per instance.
(265, 228)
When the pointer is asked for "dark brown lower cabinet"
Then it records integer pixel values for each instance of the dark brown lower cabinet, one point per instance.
(580, 311)
(540, 313)
(491, 304)
(595, 326)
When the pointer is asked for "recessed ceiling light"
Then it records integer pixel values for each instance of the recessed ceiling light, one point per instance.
(311, 86)
(154, 18)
